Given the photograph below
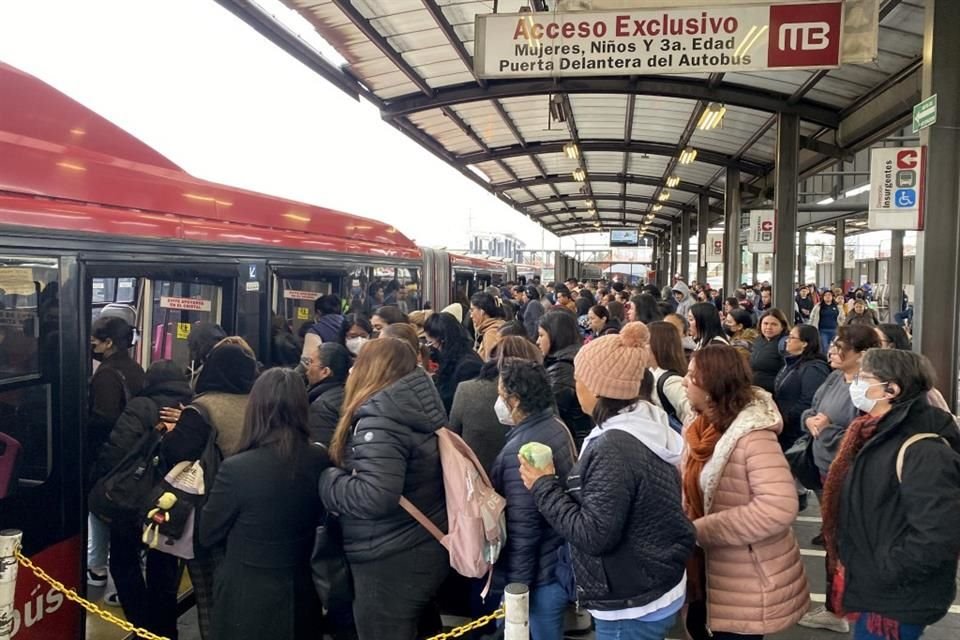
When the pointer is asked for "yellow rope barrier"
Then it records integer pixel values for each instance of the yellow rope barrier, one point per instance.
(72, 595)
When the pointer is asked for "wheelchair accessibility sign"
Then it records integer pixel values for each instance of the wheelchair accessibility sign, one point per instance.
(897, 182)
(906, 198)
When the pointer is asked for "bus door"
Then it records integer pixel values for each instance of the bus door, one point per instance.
(174, 308)
(295, 290)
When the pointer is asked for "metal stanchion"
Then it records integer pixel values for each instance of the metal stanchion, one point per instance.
(516, 602)
(9, 543)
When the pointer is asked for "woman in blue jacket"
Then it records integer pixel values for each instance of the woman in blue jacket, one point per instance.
(525, 404)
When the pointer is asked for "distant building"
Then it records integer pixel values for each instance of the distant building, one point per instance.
(496, 245)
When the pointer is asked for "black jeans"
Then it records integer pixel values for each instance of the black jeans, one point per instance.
(393, 594)
(149, 602)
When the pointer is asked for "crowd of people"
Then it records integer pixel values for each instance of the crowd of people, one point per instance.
(686, 429)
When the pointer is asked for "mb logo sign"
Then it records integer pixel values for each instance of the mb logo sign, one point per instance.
(804, 35)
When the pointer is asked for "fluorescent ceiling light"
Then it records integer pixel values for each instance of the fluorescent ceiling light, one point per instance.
(857, 190)
(673, 181)
(657, 207)
(712, 116)
(480, 173)
(571, 150)
(579, 174)
(688, 155)
(664, 195)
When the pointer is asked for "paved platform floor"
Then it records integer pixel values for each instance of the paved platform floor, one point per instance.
(806, 527)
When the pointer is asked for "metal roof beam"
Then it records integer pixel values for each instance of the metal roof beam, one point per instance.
(672, 87)
(293, 45)
(385, 47)
(627, 137)
(639, 214)
(651, 181)
(650, 148)
(676, 206)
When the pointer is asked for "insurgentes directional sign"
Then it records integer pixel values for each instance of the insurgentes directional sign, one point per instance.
(897, 183)
(630, 42)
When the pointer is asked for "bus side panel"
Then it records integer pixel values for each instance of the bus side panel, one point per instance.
(40, 612)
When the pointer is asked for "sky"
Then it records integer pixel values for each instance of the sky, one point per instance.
(207, 91)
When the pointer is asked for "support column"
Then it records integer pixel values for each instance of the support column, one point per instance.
(685, 246)
(935, 307)
(674, 258)
(895, 275)
(785, 205)
(839, 252)
(732, 251)
(703, 223)
(756, 268)
(654, 258)
(802, 258)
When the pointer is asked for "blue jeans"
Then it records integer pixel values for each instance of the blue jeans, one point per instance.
(548, 606)
(907, 631)
(826, 337)
(98, 543)
(634, 629)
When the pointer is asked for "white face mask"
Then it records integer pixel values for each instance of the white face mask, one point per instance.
(504, 415)
(355, 344)
(858, 395)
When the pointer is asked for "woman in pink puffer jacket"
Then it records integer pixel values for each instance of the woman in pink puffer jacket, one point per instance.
(738, 490)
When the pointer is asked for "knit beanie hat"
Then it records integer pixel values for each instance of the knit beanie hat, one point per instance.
(613, 366)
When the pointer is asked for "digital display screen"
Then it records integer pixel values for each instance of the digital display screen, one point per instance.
(624, 238)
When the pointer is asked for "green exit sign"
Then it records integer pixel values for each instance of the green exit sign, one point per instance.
(925, 113)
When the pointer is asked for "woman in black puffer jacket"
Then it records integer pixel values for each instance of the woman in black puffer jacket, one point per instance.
(385, 448)
(559, 341)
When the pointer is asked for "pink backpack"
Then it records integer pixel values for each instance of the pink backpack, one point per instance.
(477, 526)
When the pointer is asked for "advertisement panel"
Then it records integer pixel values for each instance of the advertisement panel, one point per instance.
(760, 233)
(897, 182)
(714, 249)
(745, 37)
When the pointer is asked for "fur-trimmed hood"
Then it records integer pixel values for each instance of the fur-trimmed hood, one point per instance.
(762, 413)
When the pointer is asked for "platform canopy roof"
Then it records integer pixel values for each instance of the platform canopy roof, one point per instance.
(414, 60)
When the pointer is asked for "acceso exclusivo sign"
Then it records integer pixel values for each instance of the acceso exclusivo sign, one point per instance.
(632, 42)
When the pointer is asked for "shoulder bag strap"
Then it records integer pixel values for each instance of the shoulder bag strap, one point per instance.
(422, 519)
(917, 437)
(661, 394)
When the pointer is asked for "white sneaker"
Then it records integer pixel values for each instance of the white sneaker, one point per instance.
(111, 599)
(820, 618)
(95, 579)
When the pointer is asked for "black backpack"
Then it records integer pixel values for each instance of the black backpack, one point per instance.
(123, 494)
(675, 423)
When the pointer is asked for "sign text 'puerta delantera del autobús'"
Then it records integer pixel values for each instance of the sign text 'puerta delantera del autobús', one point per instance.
(747, 37)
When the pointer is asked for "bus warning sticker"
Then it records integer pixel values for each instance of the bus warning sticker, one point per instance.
(185, 304)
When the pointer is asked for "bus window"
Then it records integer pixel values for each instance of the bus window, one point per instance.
(29, 366)
(176, 306)
(295, 299)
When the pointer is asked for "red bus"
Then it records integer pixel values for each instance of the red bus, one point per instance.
(91, 217)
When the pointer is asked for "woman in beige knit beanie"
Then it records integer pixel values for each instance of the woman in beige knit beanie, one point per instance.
(620, 510)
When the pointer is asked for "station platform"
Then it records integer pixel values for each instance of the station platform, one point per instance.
(806, 527)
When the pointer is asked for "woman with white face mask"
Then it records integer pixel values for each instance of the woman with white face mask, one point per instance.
(525, 403)
(891, 502)
(355, 332)
(827, 420)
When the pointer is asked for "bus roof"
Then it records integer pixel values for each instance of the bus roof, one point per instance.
(52, 146)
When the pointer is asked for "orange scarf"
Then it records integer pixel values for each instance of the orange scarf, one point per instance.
(701, 438)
